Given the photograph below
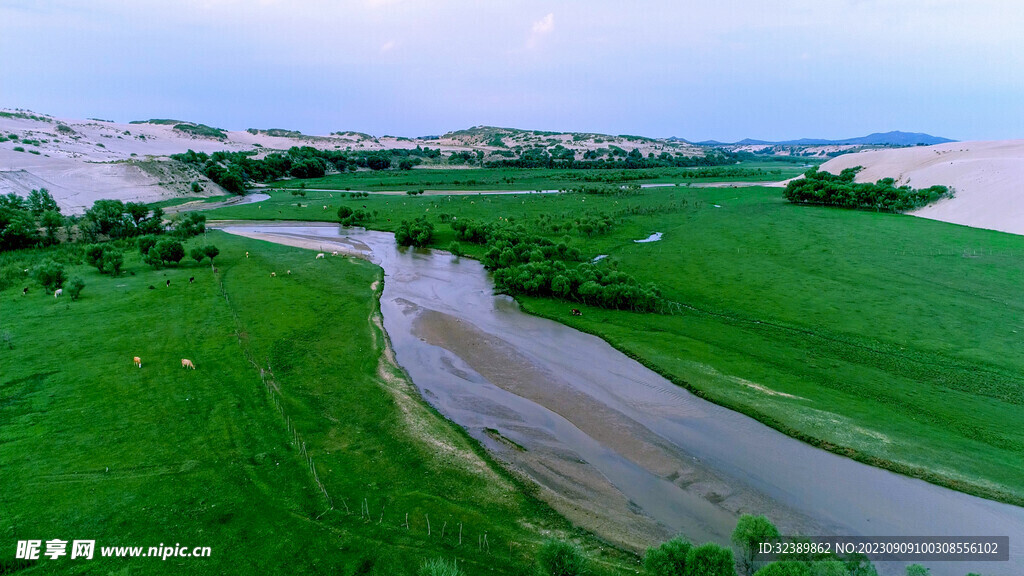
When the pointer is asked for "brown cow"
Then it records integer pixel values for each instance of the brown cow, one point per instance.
(138, 361)
(186, 363)
(576, 312)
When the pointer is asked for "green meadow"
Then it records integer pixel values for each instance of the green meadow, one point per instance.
(543, 178)
(294, 447)
(888, 338)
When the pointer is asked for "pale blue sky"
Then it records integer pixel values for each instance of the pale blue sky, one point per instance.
(722, 69)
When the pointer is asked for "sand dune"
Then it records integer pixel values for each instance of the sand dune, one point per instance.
(987, 178)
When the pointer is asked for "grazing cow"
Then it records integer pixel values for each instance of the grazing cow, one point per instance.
(289, 272)
(191, 279)
(325, 207)
(138, 361)
(58, 292)
(186, 363)
(24, 291)
(335, 253)
(168, 283)
(319, 256)
(246, 254)
(273, 274)
(576, 312)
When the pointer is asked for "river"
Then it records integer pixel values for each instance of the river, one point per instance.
(614, 446)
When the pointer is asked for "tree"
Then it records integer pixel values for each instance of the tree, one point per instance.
(211, 252)
(108, 217)
(75, 287)
(190, 224)
(557, 558)
(113, 260)
(378, 162)
(419, 232)
(40, 201)
(145, 244)
(165, 251)
(344, 212)
(197, 254)
(917, 570)
(710, 560)
(749, 533)
(50, 274)
(51, 220)
(17, 228)
(669, 559)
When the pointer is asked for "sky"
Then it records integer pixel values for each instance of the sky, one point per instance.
(707, 69)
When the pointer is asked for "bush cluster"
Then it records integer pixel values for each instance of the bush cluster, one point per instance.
(826, 189)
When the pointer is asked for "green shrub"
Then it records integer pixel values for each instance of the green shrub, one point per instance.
(669, 559)
(19, 149)
(557, 558)
(50, 274)
(419, 232)
(75, 287)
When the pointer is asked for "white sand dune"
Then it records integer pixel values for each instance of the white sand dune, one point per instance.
(987, 178)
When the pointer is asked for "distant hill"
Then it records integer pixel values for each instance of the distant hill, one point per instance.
(894, 138)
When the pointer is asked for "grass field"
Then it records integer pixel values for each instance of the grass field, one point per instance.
(543, 179)
(892, 339)
(95, 448)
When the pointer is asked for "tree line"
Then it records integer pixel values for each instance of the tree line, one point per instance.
(827, 189)
(233, 170)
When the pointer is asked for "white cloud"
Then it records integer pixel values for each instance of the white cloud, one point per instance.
(540, 29)
(387, 46)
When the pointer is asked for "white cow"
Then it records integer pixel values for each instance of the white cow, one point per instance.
(319, 256)
(58, 292)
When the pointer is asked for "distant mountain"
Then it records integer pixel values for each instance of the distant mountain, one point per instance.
(894, 138)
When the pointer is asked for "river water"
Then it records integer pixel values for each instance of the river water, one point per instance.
(614, 446)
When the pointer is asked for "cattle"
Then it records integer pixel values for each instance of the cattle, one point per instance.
(168, 283)
(335, 253)
(58, 292)
(24, 291)
(186, 363)
(151, 287)
(576, 312)
(191, 279)
(325, 207)
(289, 272)
(138, 361)
(273, 274)
(319, 256)
(246, 254)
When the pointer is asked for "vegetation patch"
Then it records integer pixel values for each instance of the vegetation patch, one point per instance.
(826, 189)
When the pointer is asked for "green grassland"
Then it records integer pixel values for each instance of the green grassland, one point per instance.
(543, 178)
(889, 338)
(289, 371)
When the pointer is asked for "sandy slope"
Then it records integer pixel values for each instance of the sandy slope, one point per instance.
(99, 159)
(987, 177)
